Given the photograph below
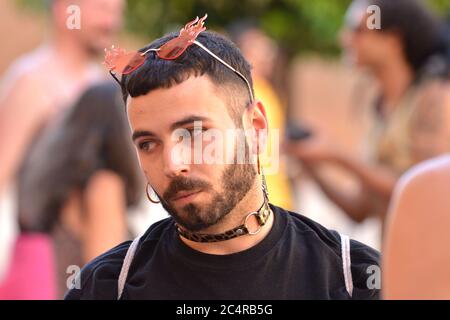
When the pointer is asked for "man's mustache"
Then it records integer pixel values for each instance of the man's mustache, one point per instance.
(179, 184)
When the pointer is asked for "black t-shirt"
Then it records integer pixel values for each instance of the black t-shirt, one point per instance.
(298, 259)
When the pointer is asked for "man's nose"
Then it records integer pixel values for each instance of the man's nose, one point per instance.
(176, 161)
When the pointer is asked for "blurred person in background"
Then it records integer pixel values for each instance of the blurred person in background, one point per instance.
(42, 83)
(262, 51)
(406, 55)
(74, 190)
(51, 78)
(416, 259)
(447, 37)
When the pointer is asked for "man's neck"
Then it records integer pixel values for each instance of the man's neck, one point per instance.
(71, 55)
(250, 203)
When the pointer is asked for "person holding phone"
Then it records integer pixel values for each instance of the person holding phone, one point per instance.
(411, 114)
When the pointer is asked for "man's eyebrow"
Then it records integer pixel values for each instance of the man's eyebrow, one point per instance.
(141, 133)
(188, 120)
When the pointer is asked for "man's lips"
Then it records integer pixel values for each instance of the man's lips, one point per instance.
(185, 195)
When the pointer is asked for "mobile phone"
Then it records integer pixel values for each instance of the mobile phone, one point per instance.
(296, 132)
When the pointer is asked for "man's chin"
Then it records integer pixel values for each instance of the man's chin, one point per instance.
(96, 47)
(198, 227)
(192, 218)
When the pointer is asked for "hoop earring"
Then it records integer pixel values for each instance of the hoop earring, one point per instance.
(148, 196)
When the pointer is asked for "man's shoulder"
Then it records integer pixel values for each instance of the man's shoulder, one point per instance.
(364, 260)
(324, 236)
(313, 232)
(28, 65)
(98, 279)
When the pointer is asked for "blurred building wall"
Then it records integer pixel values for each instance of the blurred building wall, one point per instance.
(335, 99)
(20, 31)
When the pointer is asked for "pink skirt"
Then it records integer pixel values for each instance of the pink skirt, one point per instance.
(31, 274)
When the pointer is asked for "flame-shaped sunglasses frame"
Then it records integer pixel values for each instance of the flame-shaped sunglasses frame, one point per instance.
(119, 61)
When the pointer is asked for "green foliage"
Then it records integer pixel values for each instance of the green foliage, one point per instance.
(298, 25)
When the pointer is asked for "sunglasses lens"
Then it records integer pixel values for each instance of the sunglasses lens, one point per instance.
(135, 62)
(172, 49)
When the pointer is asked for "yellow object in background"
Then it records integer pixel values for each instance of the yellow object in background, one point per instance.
(277, 183)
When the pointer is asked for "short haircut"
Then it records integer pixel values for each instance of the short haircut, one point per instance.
(158, 73)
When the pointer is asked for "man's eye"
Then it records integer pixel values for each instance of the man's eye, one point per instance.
(146, 145)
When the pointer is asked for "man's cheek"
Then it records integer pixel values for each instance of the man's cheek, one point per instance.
(152, 177)
(142, 164)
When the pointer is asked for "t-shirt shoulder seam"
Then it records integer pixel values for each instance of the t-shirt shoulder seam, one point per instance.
(99, 263)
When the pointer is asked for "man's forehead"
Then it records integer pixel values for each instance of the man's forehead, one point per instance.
(193, 97)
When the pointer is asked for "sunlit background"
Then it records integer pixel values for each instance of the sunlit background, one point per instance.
(314, 83)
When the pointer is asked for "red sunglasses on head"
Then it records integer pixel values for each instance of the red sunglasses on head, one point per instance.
(119, 61)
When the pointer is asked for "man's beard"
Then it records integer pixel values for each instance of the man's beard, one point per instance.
(237, 180)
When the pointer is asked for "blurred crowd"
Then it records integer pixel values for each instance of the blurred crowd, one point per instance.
(71, 187)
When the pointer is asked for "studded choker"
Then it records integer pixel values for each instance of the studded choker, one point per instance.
(262, 215)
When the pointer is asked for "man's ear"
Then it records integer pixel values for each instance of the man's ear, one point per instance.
(255, 120)
(255, 117)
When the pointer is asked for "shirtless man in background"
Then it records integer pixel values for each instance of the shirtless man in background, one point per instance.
(44, 82)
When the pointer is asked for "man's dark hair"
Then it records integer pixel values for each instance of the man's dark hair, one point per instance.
(158, 73)
(419, 28)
